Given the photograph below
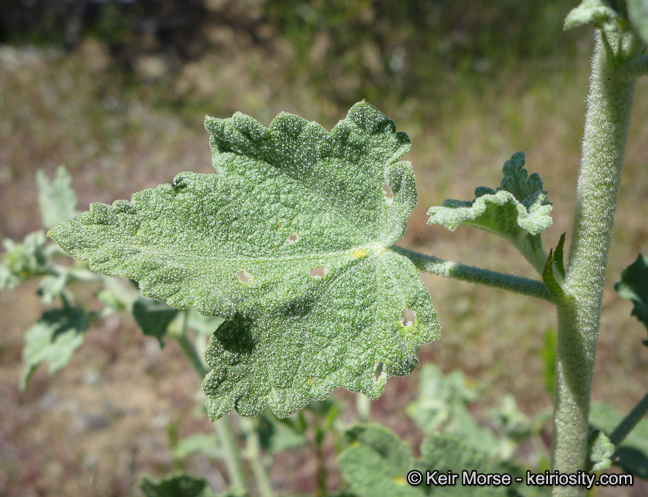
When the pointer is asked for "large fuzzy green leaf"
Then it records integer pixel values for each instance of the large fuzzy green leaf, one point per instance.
(289, 242)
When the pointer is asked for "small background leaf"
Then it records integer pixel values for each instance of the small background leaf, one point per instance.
(153, 317)
(600, 451)
(632, 454)
(204, 443)
(638, 15)
(376, 462)
(176, 486)
(24, 260)
(445, 452)
(53, 339)
(442, 405)
(56, 198)
(634, 286)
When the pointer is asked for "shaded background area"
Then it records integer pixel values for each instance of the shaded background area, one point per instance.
(117, 91)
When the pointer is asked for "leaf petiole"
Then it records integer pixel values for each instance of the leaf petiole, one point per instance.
(463, 272)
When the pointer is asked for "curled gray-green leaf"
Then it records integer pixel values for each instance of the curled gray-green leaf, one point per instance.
(290, 242)
(605, 15)
(517, 211)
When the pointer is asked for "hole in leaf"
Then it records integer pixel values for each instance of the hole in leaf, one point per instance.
(379, 371)
(389, 194)
(408, 317)
(293, 238)
(318, 272)
(243, 276)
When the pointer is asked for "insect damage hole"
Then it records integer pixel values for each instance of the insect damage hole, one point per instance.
(318, 272)
(243, 276)
(389, 194)
(294, 238)
(379, 371)
(408, 317)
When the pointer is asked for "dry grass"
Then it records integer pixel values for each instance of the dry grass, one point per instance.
(104, 420)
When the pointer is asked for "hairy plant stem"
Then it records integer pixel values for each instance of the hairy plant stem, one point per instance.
(223, 426)
(606, 124)
(457, 271)
(254, 455)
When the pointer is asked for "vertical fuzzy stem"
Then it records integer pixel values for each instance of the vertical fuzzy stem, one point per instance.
(235, 466)
(224, 429)
(606, 125)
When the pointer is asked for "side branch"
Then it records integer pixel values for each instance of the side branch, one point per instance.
(457, 271)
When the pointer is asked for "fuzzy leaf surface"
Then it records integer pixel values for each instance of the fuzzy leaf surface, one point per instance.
(634, 286)
(290, 243)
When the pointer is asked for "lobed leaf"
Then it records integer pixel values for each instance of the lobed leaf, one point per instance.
(290, 243)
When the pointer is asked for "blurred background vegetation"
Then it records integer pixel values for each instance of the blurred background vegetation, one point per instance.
(117, 91)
